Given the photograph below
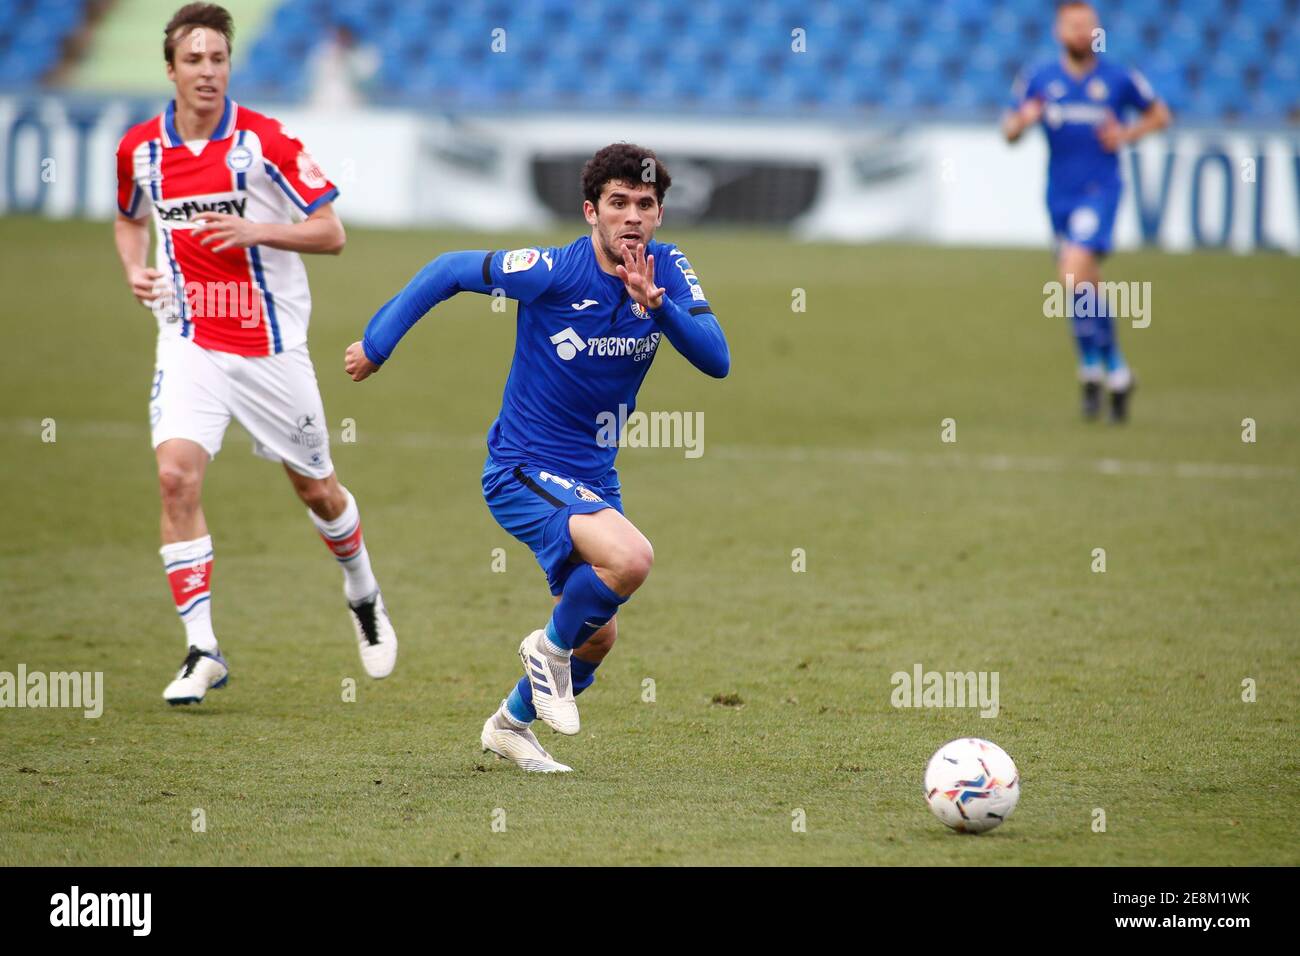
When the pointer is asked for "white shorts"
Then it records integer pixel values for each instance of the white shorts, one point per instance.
(196, 392)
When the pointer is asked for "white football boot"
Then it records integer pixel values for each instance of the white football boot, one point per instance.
(518, 744)
(376, 639)
(552, 683)
(200, 672)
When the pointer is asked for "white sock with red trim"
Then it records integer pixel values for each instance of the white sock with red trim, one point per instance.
(189, 572)
(343, 537)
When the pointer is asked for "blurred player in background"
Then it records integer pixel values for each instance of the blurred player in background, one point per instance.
(234, 198)
(590, 320)
(1081, 100)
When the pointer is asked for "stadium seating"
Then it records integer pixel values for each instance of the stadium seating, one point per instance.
(1212, 59)
(32, 33)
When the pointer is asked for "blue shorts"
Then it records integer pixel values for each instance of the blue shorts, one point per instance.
(1086, 221)
(534, 505)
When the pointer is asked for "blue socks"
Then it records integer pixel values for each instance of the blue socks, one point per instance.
(585, 607)
(1085, 329)
(1103, 339)
(1095, 337)
(520, 701)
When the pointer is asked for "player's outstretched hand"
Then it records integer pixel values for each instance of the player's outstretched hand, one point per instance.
(226, 230)
(356, 364)
(147, 285)
(638, 275)
(1031, 111)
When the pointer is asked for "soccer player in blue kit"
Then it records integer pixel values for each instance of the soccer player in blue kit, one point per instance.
(1080, 100)
(590, 319)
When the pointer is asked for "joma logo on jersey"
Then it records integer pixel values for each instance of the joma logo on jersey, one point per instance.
(185, 210)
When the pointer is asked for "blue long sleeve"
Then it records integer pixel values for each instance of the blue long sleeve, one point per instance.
(438, 281)
(697, 336)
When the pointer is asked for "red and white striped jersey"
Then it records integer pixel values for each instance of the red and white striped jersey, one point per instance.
(251, 301)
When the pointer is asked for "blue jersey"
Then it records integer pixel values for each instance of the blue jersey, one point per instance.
(1073, 111)
(582, 345)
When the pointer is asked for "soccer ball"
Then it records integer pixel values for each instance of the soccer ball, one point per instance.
(971, 784)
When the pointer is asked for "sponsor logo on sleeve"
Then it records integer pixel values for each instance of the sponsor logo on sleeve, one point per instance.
(520, 260)
(309, 172)
(691, 278)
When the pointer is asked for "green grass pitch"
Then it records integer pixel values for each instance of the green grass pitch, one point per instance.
(1119, 690)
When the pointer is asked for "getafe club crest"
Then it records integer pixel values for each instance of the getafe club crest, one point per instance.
(1097, 89)
(240, 159)
(586, 494)
(639, 311)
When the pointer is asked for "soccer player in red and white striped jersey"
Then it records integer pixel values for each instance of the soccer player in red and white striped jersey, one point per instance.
(234, 199)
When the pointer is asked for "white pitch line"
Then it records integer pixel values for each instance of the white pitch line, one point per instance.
(798, 454)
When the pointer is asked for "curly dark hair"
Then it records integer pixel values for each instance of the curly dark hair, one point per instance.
(624, 163)
(194, 15)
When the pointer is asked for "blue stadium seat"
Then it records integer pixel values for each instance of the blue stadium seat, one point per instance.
(728, 92)
(1281, 83)
(966, 97)
(1222, 89)
(1268, 13)
(1168, 77)
(561, 88)
(987, 74)
(1270, 106)
(1183, 39)
(686, 87)
(1289, 41)
(1032, 9)
(969, 13)
(1243, 40)
(1284, 68)
(1205, 12)
(1125, 32)
(1001, 30)
(947, 34)
(884, 21)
